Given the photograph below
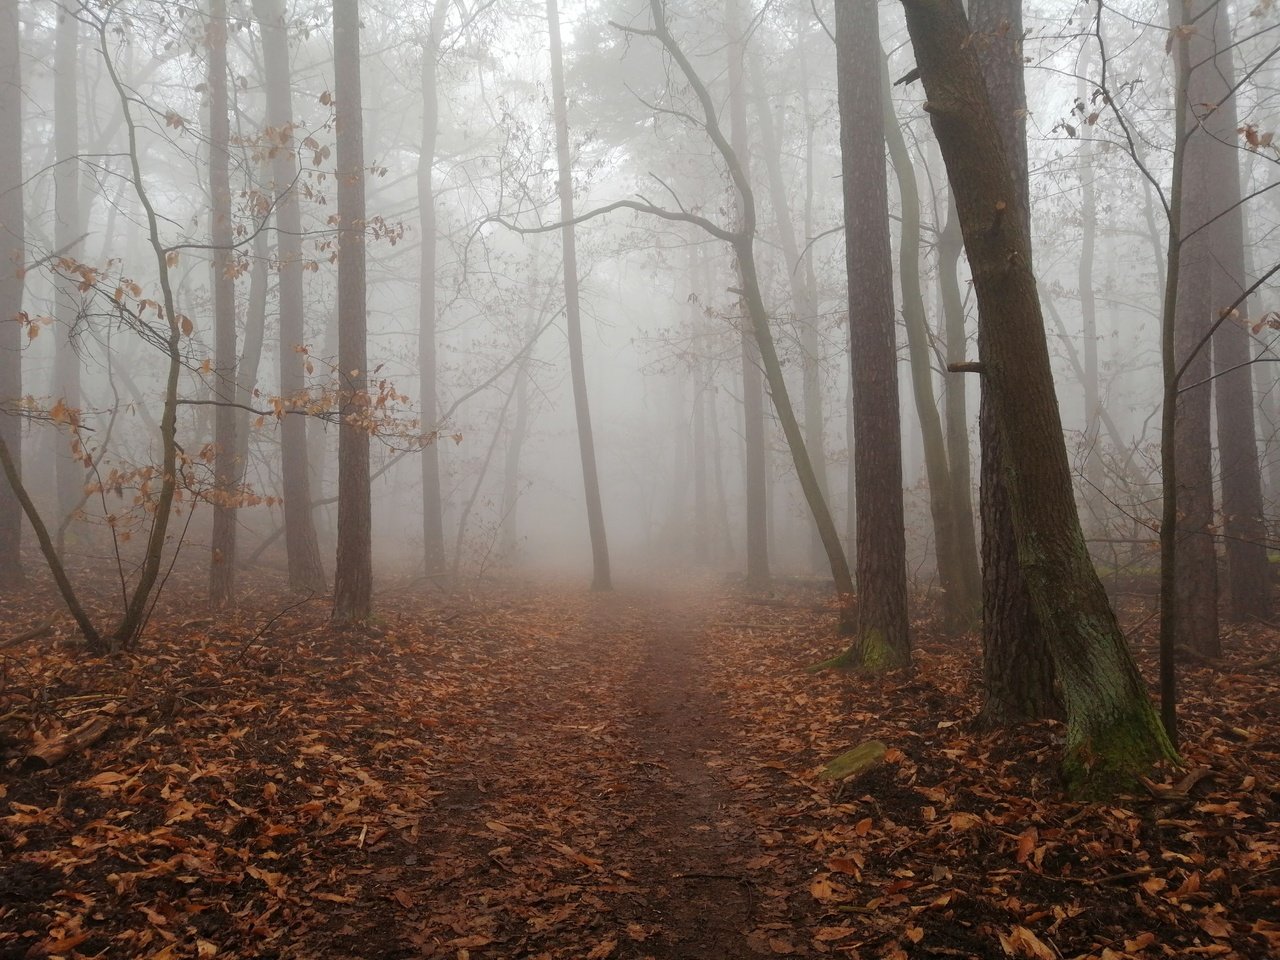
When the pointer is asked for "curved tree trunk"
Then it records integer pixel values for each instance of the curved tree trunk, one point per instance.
(1113, 733)
(1017, 667)
(957, 571)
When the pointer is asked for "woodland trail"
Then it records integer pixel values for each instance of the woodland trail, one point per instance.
(533, 771)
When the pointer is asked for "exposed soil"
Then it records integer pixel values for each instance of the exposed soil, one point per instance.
(541, 772)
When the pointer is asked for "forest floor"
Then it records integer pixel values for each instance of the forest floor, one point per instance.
(534, 771)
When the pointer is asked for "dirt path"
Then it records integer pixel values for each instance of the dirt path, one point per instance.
(699, 894)
(606, 827)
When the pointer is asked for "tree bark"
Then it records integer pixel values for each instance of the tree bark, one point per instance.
(601, 578)
(353, 579)
(226, 470)
(882, 640)
(1113, 733)
(1248, 572)
(1196, 564)
(306, 571)
(432, 507)
(1011, 635)
(13, 258)
(958, 571)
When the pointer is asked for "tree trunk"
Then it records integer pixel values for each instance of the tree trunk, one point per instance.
(882, 640)
(306, 572)
(432, 508)
(1196, 564)
(950, 249)
(13, 258)
(67, 241)
(353, 579)
(957, 571)
(1113, 733)
(226, 470)
(1248, 573)
(802, 299)
(1010, 632)
(511, 462)
(601, 578)
(1088, 302)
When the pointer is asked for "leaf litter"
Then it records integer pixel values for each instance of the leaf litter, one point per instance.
(539, 772)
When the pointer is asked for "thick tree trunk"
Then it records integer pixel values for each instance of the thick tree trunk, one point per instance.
(1248, 573)
(601, 578)
(67, 241)
(1010, 632)
(353, 579)
(1196, 565)
(432, 507)
(882, 640)
(1113, 733)
(957, 571)
(226, 470)
(13, 258)
(306, 572)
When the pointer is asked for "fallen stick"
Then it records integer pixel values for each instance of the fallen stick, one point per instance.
(86, 735)
(35, 633)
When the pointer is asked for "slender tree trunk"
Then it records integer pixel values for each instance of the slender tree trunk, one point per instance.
(1248, 573)
(1017, 667)
(1196, 565)
(1113, 733)
(306, 572)
(725, 537)
(353, 580)
(511, 462)
(226, 470)
(950, 249)
(802, 300)
(255, 331)
(758, 573)
(432, 508)
(882, 640)
(601, 578)
(1088, 302)
(13, 258)
(957, 572)
(67, 241)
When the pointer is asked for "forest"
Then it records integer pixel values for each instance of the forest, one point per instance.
(625, 479)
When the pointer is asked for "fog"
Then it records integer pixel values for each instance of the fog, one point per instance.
(661, 298)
